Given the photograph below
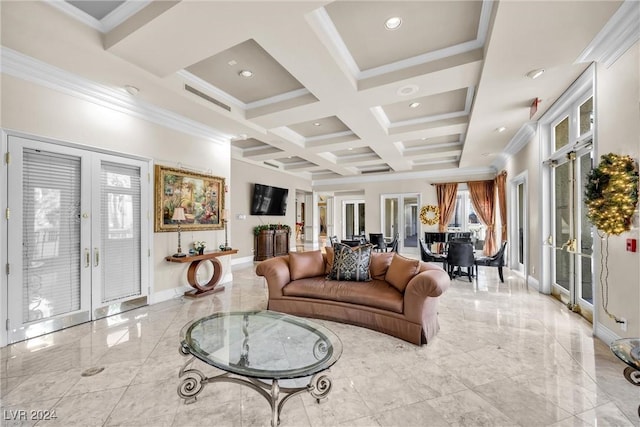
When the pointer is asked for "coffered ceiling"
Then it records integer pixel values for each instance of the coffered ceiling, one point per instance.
(325, 90)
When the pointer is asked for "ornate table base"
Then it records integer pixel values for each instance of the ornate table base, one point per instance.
(193, 381)
(203, 289)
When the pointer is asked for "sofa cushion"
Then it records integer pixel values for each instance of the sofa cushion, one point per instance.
(351, 264)
(375, 293)
(329, 263)
(306, 264)
(380, 262)
(401, 271)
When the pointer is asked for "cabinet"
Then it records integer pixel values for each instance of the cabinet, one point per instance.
(270, 243)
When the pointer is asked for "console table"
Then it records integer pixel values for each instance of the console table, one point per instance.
(202, 289)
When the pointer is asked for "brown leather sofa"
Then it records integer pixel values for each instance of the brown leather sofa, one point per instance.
(401, 299)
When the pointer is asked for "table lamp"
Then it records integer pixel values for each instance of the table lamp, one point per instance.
(178, 216)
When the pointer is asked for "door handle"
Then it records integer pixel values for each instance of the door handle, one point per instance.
(571, 245)
(97, 252)
(87, 255)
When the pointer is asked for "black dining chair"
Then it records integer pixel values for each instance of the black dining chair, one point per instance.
(496, 260)
(393, 245)
(459, 256)
(427, 256)
(377, 239)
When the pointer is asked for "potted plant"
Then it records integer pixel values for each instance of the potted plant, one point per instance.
(199, 246)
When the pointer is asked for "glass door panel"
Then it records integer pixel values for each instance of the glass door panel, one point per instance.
(585, 236)
(391, 220)
(354, 216)
(520, 225)
(563, 224)
(411, 229)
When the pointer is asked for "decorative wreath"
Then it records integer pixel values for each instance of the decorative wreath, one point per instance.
(611, 193)
(430, 214)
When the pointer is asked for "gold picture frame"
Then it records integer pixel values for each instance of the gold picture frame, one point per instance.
(201, 196)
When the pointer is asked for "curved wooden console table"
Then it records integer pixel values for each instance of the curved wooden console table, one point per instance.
(202, 289)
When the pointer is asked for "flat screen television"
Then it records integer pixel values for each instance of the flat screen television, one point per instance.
(268, 200)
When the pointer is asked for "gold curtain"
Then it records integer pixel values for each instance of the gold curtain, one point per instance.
(501, 185)
(482, 194)
(446, 203)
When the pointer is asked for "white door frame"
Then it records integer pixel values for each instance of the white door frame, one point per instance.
(519, 179)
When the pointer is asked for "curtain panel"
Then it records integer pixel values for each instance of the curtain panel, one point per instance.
(446, 194)
(482, 194)
(501, 184)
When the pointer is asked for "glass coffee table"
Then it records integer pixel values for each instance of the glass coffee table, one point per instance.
(258, 349)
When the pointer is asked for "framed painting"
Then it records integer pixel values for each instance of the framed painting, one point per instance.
(200, 195)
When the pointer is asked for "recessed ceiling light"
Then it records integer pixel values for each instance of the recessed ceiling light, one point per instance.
(424, 139)
(414, 105)
(132, 90)
(245, 73)
(534, 74)
(232, 62)
(317, 124)
(393, 23)
(350, 148)
(501, 129)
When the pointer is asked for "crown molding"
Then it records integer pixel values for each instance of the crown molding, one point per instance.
(616, 37)
(517, 143)
(402, 176)
(109, 22)
(24, 67)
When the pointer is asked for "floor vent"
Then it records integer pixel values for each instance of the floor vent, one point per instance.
(272, 165)
(206, 97)
(364, 172)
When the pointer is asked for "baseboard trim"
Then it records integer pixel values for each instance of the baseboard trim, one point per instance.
(169, 294)
(242, 260)
(605, 334)
(532, 282)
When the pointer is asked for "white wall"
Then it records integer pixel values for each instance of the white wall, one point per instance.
(618, 131)
(243, 176)
(39, 111)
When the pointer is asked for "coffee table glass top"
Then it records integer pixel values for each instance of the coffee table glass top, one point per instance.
(262, 344)
(627, 350)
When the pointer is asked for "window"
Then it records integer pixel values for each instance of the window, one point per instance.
(465, 219)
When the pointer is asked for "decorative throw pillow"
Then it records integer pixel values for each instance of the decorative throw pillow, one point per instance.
(306, 264)
(401, 271)
(350, 264)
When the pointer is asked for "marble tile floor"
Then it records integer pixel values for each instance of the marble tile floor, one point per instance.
(505, 356)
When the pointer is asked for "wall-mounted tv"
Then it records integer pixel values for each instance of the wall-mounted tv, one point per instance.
(269, 200)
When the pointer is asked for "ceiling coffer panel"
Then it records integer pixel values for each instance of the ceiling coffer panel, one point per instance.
(427, 106)
(427, 26)
(249, 143)
(315, 128)
(268, 78)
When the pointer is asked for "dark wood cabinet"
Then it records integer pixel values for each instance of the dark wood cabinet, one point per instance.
(270, 243)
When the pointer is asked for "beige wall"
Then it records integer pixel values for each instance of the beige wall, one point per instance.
(528, 161)
(243, 176)
(371, 193)
(39, 111)
(618, 131)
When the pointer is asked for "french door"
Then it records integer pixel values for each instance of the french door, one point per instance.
(519, 228)
(400, 217)
(572, 238)
(353, 218)
(77, 232)
(571, 234)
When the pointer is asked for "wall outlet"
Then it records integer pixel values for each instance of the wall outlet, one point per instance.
(623, 324)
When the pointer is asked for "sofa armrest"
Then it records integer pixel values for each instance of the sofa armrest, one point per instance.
(431, 282)
(276, 271)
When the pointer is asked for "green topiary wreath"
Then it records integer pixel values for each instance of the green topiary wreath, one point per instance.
(611, 193)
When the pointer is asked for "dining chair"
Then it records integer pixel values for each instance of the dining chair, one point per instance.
(460, 255)
(496, 260)
(393, 245)
(377, 239)
(427, 256)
